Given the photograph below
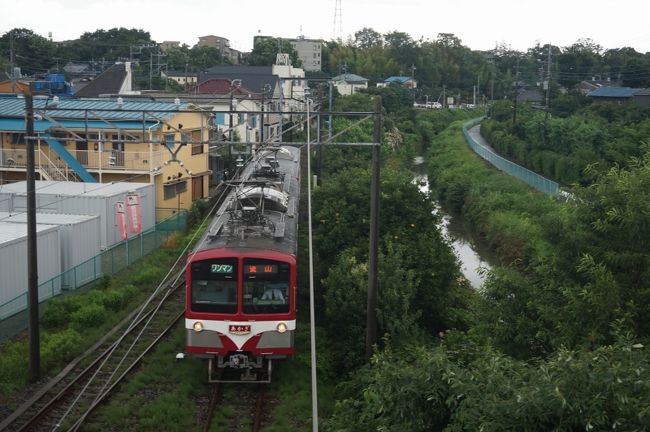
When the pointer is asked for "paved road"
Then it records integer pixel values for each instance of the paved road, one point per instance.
(475, 133)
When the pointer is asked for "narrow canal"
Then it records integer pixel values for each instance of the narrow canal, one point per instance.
(472, 259)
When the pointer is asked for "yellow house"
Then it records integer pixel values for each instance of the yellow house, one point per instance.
(101, 140)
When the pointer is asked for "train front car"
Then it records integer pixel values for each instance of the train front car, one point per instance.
(241, 278)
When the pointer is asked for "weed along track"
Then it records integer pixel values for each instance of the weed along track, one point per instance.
(66, 402)
(235, 407)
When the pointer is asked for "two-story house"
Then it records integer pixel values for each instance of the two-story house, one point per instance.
(111, 140)
(348, 84)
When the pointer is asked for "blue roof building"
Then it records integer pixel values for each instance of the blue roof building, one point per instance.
(406, 81)
(620, 95)
(110, 140)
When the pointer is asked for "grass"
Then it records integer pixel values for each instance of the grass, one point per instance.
(172, 396)
(72, 324)
(163, 394)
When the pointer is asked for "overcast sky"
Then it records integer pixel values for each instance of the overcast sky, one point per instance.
(479, 24)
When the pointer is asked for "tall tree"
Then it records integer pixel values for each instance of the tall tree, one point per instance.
(111, 45)
(32, 53)
(265, 52)
(367, 38)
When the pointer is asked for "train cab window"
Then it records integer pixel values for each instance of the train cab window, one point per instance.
(214, 286)
(266, 286)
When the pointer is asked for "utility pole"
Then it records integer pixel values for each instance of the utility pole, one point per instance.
(444, 96)
(312, 302)
(185, 83)
(514, 111)
(150, 68)
(32, 262)
(371, 310)
(493, 72)
(547, 84)
(262, 119)
(232, 89)
(12, 59)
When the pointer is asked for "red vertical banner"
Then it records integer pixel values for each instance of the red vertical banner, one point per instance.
(120, 218)
(134, 212)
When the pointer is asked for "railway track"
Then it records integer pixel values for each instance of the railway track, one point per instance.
(65, 402)
(247, 402)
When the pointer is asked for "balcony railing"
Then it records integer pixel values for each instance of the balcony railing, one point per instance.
(108, 160)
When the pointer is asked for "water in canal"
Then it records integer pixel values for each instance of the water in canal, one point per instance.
(456, 234)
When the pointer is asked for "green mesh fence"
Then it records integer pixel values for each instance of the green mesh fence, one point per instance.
(533, 179)
(108, 262)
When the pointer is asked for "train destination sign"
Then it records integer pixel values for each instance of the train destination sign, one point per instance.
(221, 268)
(251, 269)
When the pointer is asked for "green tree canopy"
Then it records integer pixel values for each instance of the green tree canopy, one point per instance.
(32, 53)
(266, 50)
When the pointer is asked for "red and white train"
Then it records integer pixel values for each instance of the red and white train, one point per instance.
(241, 278)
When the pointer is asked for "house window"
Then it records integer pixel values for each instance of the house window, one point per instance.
(169, 140)
(17, 138)
(171, 190)
(220, 118)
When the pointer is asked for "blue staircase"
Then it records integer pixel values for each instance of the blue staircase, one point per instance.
(67, 157)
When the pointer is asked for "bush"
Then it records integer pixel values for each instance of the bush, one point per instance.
(60, 348)
(58, 311)
(13, 371)
(115, 300)
(196, 213)
(147, 276)
(89, 315)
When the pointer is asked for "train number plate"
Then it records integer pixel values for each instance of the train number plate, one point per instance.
(239, 329)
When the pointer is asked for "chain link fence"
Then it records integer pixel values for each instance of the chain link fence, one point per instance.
(533, 179)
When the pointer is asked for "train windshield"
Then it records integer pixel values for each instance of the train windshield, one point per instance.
(214, 286)
(266, 286)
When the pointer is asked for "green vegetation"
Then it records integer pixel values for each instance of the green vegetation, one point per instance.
(577, 144)
(441, 64)
(557, 337)
(73, 323)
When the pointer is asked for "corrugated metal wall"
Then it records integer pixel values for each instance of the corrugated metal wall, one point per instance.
(98, 199)
(13, 264)
(80, 241)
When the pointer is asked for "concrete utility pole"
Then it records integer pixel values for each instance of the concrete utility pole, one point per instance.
(371, 310)
(312, 302)
(548, 82)
(32, 263)
(12, 59)
(444, 96)
(514, 111)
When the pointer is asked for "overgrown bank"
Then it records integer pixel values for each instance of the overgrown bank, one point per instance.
(555, 341)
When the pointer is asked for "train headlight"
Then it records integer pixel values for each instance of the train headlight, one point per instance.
(281, 327)
(198, 326)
